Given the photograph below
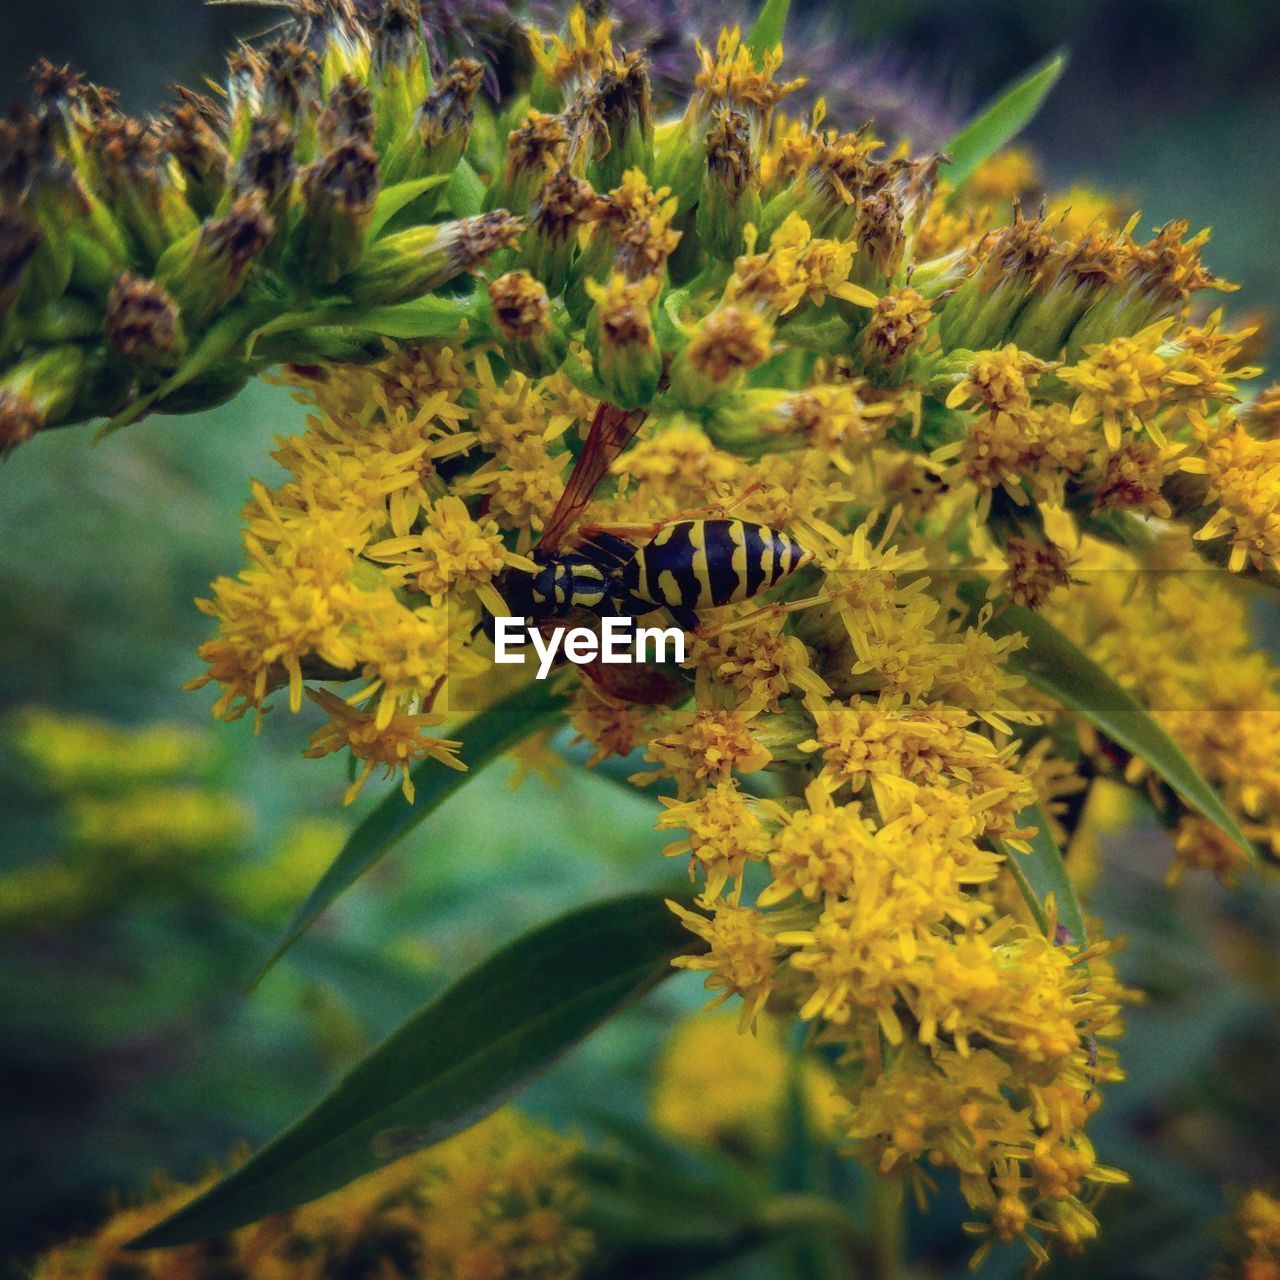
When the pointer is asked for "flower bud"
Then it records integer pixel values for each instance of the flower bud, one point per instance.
(268, 167)
(19, 240)
(620, 338)
(35, 178)
(561, 207)
(840, 171)
(134, 177)
(192, 135)
(142, 323)
(731, 187)
(206, 270)
(245, 72)
(39, 392)
(538, 148)
(400, 73)
(445, 118)
(338, 196)
(420, 259)
(980, 311)
(291, 83)
(348, 114)
(897, 327)
(727, 343)
(621, 110)
(522, 315)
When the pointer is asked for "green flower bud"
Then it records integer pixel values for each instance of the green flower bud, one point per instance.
(206, 270)
(897, 328)
(980, 312)
(399, 68)
(192, 136)
(348, 114)
(268, 167)
(620, 337)
(245, 72)
(39, 392)
(620, 114)
(19, 240)
(538, 148)
(730, 188)
(291, 83)
(338, 196)
(533, 338)
(130, 168)
(43, 184)
(561, 207)
(143, 324)
(730, 341)
(444, 120)
(413, 262)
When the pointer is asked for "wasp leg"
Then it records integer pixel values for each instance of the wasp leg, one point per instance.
(765, 611)
(644, 532)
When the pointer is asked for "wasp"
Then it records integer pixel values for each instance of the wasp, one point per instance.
(683, 565)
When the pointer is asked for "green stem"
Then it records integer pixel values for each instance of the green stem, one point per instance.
(887, 1225)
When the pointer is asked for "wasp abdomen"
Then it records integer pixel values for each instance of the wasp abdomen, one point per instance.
(698, 564)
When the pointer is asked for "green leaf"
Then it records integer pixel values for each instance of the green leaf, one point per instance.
(465, 193)
(766, 33)
(1042, 872)
(427, 317)
(452, 1064)
(484, 737)
(392, 199)
(1061, 669)
(1002, 121)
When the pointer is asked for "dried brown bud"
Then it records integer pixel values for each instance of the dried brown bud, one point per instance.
(268, 163)
(142, 322)
(206, 272)
(54, 88)
(19, 420)
(192, 137)
(19, 240)
(348, 115)
(449, 106)
(339, 194)
(291, 81)
(397, 35)
(521, 308)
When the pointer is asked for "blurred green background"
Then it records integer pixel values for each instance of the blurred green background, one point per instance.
(128, 1043)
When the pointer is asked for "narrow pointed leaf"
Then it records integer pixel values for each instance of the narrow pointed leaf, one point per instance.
(1002, 121)
(1042, 872)
(1061, 669)
(766, 32)
(465, 193)
(392, 199)
(452, 1064)
(427, 317)
(484, 738)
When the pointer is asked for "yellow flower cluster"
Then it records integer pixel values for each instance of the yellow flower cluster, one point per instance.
(733, 311)
(1254, 1238)
(1179, 639)
(498, 1202)
(719, 1088)
(133, 811)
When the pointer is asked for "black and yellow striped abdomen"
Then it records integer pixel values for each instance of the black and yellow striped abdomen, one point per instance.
(698, 564)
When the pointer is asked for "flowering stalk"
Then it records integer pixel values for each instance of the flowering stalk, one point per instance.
(795, 323)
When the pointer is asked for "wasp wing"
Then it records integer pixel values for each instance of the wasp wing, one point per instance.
(611, 431)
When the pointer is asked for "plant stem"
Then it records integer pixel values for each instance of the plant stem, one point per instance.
(887, 1223)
